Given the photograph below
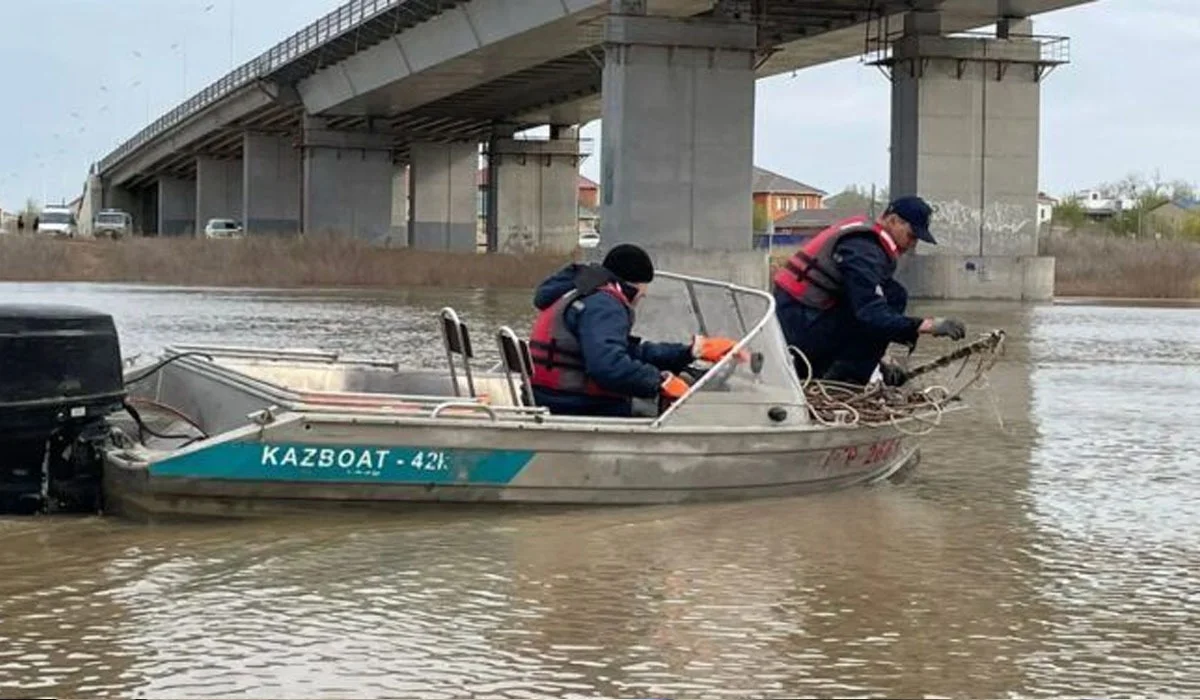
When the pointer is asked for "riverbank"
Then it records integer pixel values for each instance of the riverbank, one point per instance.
(263, 262)
(1087, 266)
(1111, 267)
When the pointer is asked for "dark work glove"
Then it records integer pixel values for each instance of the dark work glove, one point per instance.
(893, 375)
(951, 328)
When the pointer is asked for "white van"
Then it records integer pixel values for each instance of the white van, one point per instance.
(57, 221)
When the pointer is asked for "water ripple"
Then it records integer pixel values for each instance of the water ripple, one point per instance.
(1046, 547)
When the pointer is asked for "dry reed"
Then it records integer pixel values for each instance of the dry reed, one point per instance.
(263, 262)
(1095, 266)
(1106, 266)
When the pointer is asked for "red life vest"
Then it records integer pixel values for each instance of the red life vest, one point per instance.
(557, 357)
(812, 277)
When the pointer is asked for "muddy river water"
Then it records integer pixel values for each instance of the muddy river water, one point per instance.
(1049, 544)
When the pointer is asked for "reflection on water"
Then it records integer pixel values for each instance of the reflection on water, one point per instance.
(1047, 547)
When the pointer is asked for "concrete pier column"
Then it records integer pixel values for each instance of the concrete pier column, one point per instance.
(678, 130)
(146, 214)
(534, 185)
(347, 182)
(965, 137)
(270, 184)
(399, 228)
(443, 196)
(176, 207)
(90, 204)
(218, 190)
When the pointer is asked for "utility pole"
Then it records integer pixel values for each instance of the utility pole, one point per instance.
(232, 5)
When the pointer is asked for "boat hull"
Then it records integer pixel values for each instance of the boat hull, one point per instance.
(301, 462)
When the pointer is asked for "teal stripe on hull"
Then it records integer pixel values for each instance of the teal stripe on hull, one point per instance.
(253, 461)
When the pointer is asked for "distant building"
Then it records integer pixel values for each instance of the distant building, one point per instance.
(799, 226)
(1096, 205)
(1045, 209)
(589, 219)
(779, 196)
(589, 193)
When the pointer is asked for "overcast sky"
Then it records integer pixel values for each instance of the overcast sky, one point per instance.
(78, 76)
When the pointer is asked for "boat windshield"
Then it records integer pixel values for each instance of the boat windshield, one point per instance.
(678, 307)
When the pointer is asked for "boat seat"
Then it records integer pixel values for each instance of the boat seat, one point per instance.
(457, 340)
(516, 360)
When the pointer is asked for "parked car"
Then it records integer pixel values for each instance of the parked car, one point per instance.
(589, 239)
(112, 223)
(222, 228)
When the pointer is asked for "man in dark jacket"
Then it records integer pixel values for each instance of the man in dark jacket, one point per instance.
(585, 360)
(838, 303)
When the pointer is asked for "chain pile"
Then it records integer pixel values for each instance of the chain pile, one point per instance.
(842, 405)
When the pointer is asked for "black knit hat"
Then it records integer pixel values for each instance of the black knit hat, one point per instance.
(630, 263)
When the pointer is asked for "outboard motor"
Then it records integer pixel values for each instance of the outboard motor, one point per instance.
(60, 377)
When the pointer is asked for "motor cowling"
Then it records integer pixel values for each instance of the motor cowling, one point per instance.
(60, 378)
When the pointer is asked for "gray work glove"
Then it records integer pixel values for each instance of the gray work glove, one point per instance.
(951, 328)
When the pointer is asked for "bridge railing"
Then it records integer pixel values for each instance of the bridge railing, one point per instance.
(332, 25)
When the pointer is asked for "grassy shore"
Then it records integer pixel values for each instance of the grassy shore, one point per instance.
(1087, 266)
(1105, 266)
(262, 262)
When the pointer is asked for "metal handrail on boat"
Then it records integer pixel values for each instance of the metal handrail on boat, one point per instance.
(296, 401)
(258, 353)
(690, 284)
(475, 407)
(303, 401)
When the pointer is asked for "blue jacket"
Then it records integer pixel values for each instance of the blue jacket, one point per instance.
(871, 310)
(612, 357)
(867, 272)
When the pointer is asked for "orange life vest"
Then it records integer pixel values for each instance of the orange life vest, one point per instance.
(557, 358)
(812, 277)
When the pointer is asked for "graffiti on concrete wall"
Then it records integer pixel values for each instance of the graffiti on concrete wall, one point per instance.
(997, 218)
(517, 240)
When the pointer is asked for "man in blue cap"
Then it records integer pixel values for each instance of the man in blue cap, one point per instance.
(839, 304)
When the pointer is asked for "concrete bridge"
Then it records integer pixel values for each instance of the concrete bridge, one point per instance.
(370, 121)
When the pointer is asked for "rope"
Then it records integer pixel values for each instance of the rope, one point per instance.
(841, 404)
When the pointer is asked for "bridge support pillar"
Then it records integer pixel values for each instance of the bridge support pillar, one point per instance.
(399, 229)
(218, 190)
(176, 207)
(965, 137)
(443, 196)
(270, 184)
(91, 204)
(678, 140)
(535, 187)
(128, 201)
(347, 182)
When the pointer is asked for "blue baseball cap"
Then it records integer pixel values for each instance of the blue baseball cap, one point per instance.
(916, 212)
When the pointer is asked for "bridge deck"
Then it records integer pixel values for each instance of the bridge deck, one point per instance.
(523, 75)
